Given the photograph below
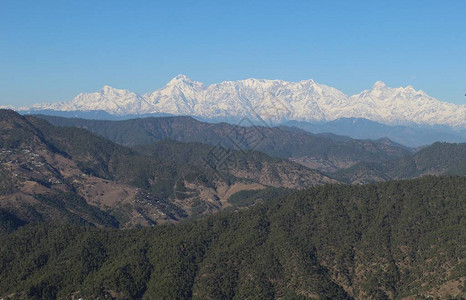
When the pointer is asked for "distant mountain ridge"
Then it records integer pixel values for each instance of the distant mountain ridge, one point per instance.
(325, 152)
(437, 159)
(360, 128)
(272, 101)
(346, 159)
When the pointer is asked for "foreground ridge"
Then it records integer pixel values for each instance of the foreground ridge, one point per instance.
(330, 242)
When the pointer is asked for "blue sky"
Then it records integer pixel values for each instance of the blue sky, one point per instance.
(52, 50)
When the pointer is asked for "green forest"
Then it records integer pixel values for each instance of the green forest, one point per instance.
(379, 241)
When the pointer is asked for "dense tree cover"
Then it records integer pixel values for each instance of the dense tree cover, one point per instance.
(9, 222)
(247, 197)
(202, 161)
(57, 208)
(7, 181)
(378, 241)
(70, 202)
(439, 158)
(446, 157)
(284, 142)
(15, 132)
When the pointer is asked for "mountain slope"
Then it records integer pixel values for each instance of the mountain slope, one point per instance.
(272, 101)
(437, 159)
(70, 175)
(385, 241)
(358, 128)
(326, 153)
(254, 166)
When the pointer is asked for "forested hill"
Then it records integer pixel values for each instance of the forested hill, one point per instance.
(349, 160)
(437, 159)
(324, 152)
(70, 175)
(385, 241)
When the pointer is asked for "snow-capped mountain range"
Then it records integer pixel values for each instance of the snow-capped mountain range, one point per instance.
(274, 101)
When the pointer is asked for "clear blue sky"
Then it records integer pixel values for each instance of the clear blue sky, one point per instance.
(52, 50)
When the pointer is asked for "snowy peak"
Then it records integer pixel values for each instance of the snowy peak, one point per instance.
(378, 85)
(110, 91)
(381, 91)
(106, 93)
(106, 89)
(109, 99)
(180, 79)
(405, 105)
(274, 101)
